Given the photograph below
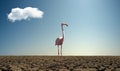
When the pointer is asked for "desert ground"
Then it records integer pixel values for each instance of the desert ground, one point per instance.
(55, 63)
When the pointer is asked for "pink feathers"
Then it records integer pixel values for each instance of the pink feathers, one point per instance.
(59, 41)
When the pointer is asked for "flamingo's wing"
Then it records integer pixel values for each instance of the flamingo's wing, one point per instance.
(57, 41)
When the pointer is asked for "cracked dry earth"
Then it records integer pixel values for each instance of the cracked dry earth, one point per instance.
(55, 63)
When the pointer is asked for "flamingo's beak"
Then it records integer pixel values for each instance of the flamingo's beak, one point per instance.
(65, 24)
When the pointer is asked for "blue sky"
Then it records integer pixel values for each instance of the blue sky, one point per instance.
(94, 27)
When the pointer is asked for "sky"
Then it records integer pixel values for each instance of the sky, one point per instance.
(30, 27)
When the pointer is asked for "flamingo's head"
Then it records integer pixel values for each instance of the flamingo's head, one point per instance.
(64, 24)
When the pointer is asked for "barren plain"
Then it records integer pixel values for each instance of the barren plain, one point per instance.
(55, 63)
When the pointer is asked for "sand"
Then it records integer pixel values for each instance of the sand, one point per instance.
(55, 63)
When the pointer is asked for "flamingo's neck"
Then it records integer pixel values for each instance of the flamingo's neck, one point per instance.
(62, 31)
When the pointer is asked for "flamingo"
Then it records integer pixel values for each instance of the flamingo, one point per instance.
(59, 40)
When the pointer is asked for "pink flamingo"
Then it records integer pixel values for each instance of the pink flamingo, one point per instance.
(59, 40)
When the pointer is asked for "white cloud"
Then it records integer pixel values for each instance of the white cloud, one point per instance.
(24, 14)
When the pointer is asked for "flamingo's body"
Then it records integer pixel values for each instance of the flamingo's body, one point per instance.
(59, 41)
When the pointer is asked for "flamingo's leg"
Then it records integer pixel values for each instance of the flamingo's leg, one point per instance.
(61, 50)
(58, 50)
